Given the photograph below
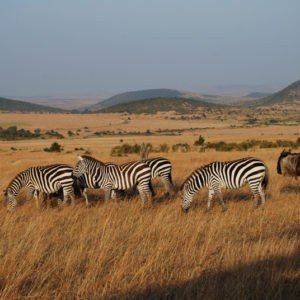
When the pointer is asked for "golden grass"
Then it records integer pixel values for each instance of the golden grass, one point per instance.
(120, 251)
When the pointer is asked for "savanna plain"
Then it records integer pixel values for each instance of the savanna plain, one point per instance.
(122, 251)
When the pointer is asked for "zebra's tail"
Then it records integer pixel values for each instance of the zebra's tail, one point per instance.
(266, 178)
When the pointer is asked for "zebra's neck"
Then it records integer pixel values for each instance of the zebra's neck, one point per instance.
(16, 184)
(203, 177)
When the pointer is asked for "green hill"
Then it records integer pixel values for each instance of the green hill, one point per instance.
(135, 96)
(22, 106)
(154, 93)
(289, 95)
(154, 105)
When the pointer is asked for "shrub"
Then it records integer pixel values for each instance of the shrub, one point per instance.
(200, 141)
(182, 147)
(55, 147)
(125, 149)
(164, 148)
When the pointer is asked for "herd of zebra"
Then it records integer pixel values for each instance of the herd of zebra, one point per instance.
(92, 173)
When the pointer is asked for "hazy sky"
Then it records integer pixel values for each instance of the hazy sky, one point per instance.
(80, 47)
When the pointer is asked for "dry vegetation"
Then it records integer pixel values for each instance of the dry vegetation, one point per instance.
(120, 251)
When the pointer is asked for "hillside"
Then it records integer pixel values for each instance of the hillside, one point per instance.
(288, 95)
(135, 96)
(156, 93)
(257, 95)
(154, 105)
(16, 105)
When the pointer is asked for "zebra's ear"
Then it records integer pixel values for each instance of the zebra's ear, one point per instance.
(5, 192)
(80, 157)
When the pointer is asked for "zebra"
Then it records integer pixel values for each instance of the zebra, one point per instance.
(112, 176)
(231, 175)
(159, 167)
(46, 179)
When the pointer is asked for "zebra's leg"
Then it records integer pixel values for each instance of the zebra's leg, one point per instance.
(149, 194)
(29, 194)
(210, 195)
(219, 193)
(168, 184)
(142, 194)
(107, 193)
(72, 197)
(113, 194)
(262, 195)
(151, 190)
(36, 196)
(255, 192)
(86, 197)
(135, 189)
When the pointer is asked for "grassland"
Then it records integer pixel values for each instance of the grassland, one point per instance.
(120, 251)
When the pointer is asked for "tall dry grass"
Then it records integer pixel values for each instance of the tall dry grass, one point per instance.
(120, 251)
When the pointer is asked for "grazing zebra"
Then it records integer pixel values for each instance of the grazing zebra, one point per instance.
(47, 179)
(231, 175)
(159, 167)
(111, 176)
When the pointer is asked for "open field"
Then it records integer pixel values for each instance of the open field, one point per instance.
(120, 251)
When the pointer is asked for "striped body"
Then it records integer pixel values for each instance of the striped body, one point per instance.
(161, 167)
(230, 175)
(46, 179)
(112, 176)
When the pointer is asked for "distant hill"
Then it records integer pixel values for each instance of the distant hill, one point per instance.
(22, 106)
(288, 95)
(135, 96)
(154, 105)
(154, 93)
(257, 95)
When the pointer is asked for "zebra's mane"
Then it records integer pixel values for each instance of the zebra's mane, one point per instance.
(20, 173)
(93, 159)
(199, 169)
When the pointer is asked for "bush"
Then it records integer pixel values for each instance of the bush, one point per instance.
(125, 149)
(182, 147)
(164, 148)
(55, 147)
(200, 141)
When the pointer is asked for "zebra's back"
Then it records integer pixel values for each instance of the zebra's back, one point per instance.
(236, 173)
(127, 175)
(51, 178)
(159, 166)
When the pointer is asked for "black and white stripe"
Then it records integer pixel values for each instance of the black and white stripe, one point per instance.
(161, 167)
(231, 175)
(46, 179)
(112, 176)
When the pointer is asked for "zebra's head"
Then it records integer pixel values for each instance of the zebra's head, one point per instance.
(81, 167)
(11, 199)
(186, 198)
